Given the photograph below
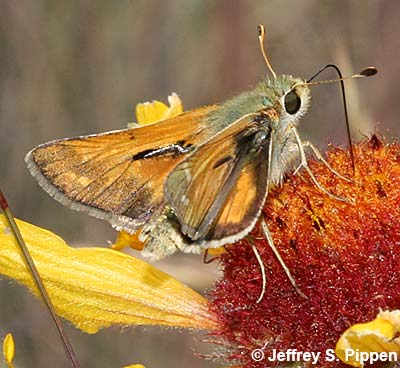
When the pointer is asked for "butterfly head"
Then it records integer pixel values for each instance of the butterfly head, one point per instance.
(288, 96)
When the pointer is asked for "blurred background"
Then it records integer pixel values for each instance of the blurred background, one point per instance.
(73, 68)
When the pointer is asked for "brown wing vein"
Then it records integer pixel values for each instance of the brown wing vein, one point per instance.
(105, 188)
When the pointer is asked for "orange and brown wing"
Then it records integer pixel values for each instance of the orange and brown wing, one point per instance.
(218, 191)
(118, 176)
(244, 202)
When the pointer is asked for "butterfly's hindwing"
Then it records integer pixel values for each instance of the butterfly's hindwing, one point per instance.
(217, 192)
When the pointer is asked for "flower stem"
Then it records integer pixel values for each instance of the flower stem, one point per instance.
(38, 281)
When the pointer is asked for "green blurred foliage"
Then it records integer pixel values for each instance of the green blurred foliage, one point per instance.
(77, 67)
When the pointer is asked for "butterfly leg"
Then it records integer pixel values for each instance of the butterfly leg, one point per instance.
(270, 241)
(319, 156)
(262, 269)
(209, 260)
(304, 164)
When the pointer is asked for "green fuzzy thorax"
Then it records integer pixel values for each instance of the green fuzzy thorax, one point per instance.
(268, 93)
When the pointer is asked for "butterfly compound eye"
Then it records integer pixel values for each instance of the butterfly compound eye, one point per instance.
(292, 102)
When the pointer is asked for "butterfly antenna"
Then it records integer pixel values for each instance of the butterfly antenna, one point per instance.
(346, 115)
(38, 280)
(367, 72)
(261, 37)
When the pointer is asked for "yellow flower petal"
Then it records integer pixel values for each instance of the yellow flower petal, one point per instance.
(216, 251)
(134, 366)
(96, 287)
(175, 106)
(393, 317)
(151, 112)
(125, 239)
(8, 349)
(365, 341)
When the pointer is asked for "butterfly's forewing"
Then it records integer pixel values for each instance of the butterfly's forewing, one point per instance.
(119, 176)
(217, 192)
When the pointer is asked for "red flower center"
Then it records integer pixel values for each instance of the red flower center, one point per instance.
(345, 257)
